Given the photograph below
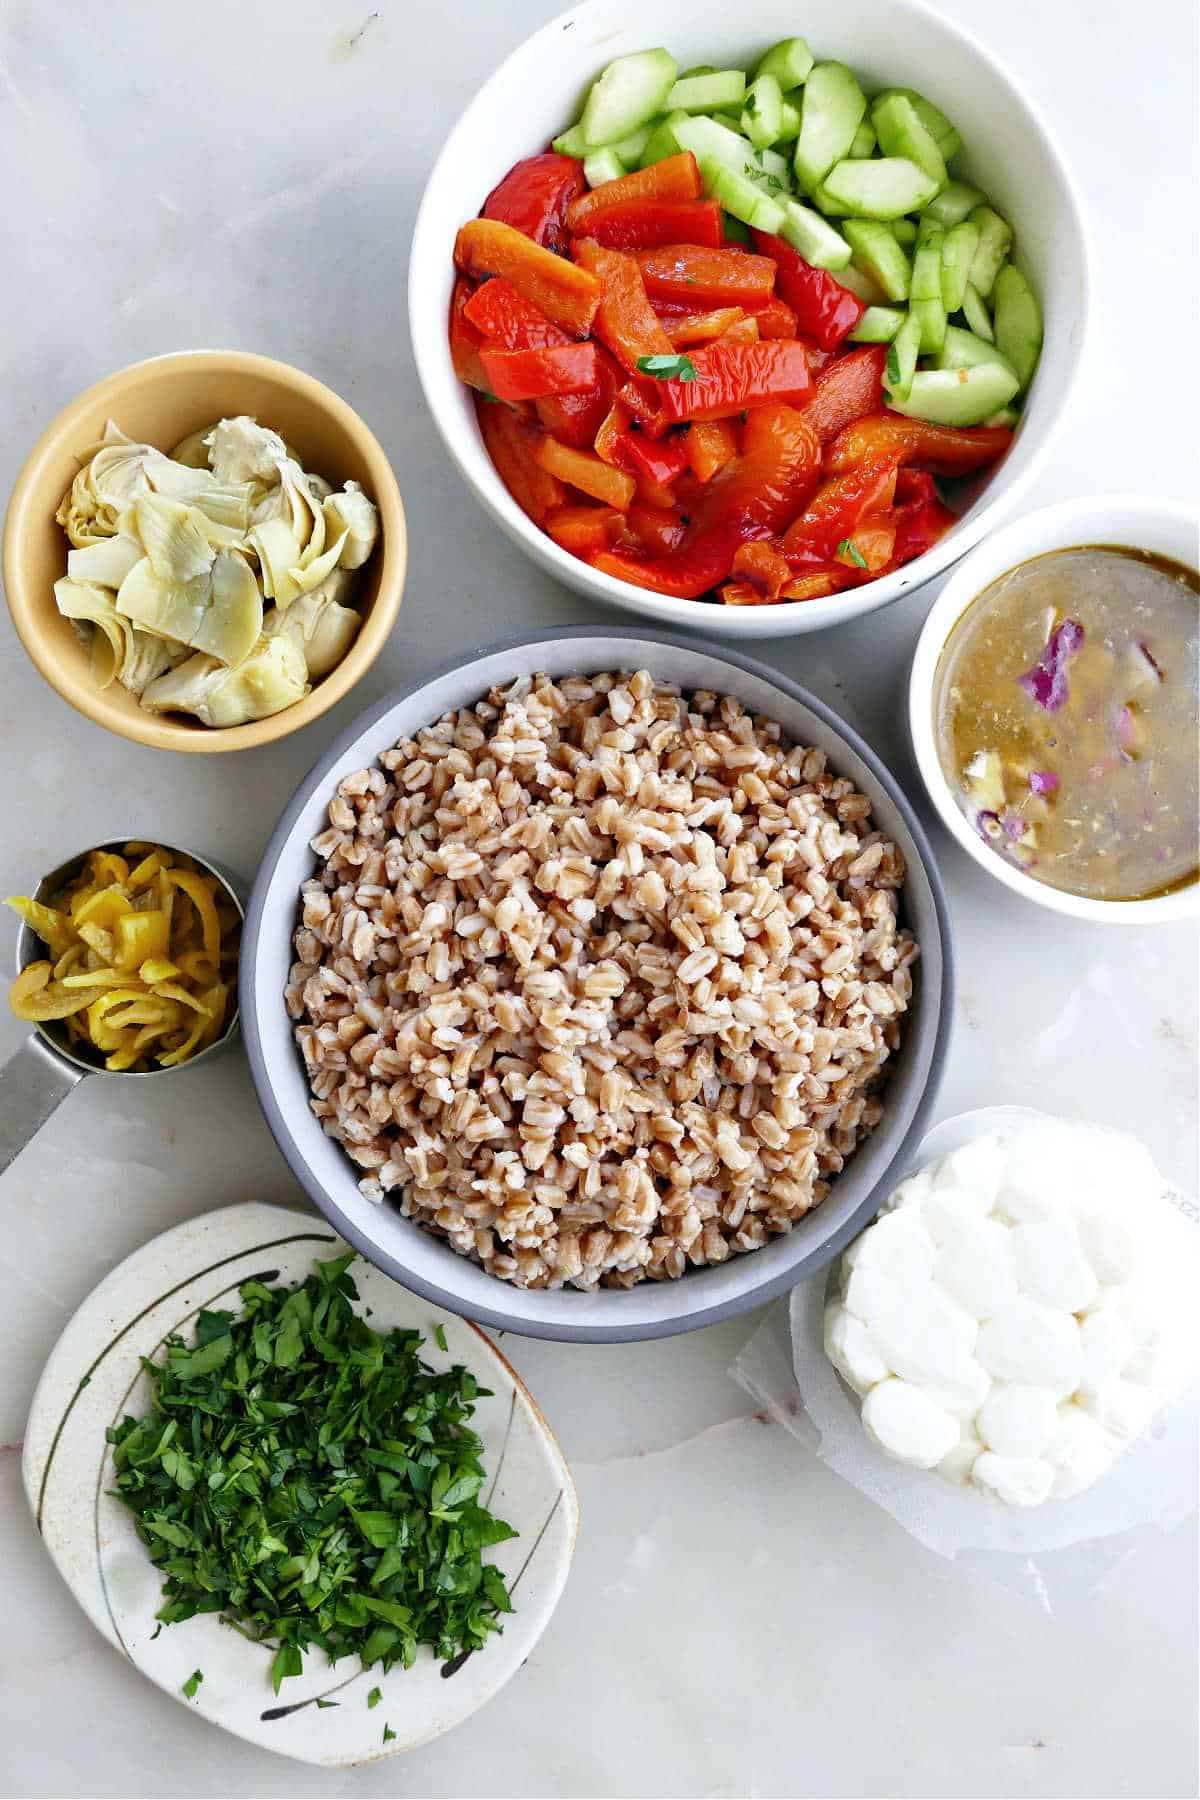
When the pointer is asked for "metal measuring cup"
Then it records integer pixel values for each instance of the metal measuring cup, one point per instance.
(37, 1078)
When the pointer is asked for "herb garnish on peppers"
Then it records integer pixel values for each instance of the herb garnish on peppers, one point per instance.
(668, 368)
(314, 1482)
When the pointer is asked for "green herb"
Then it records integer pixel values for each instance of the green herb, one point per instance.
(314, 1482)
(86, 1381)
(439, 1336)
(762, 177)
(374, 1697)
(323, 1705)
(191, 1685)
(668, 368)
(388, 1734)
(893, 366)
(850, 549)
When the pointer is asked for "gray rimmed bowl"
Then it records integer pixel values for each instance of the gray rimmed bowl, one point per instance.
(412, 1255)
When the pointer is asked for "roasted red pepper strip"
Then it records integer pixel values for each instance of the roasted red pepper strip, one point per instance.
(656, 529)
(750, 498)
(701, 328)
(847, 388)
(919, 525)
(837, 508)
(565, 293)
(585, 530)
(511, 443)
(825, 310)
(465, 340)
(588, 473)
(509, 321)
(645, 224)
(729, 378)
(760, 563)
(697, 277)
(776, 319)
(529, 374)
(658, 459)
(869, 548)
(711, 443)
(943, 449)
(576, 418)
(674, 178)
(535, 197)
(625, 320)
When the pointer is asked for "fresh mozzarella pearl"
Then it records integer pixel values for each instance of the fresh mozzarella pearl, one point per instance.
(1017, 1480)
(904, 1421)
(1018, 1421)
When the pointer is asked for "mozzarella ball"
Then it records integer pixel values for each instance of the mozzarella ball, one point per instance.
(903, 1420)
(1016, 1420)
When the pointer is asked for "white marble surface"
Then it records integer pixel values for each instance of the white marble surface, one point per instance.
(738, 1622)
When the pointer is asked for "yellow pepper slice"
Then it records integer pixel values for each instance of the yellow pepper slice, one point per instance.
(199, 891)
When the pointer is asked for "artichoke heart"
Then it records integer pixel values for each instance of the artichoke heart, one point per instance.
(321, 627)
(107, 561)
(219, 612)
(311, 570)
(243, 450)
(84, 604)
(352, 513)
(175, 538)
(275, 545)
(271, 678)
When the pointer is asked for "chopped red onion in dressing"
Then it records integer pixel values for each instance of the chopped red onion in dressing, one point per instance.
(1046, 682)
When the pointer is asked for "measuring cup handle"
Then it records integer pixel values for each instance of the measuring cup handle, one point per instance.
(33, 1082)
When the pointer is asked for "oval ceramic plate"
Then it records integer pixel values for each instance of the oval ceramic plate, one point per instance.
(94, 1377)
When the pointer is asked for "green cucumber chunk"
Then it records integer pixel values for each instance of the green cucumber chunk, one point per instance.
(789, 118)
(925, 293)
(904, 232)
(976, 314)
(708, 93)
(817, 242)
(861, 286)
(762, 115)
(773, 168)
(788, 61)
(955, 201)
(935, 122)
(662, 141)
(874, 250)
(1007, 416)
(864, 140)
(1018, 322)
(631, 149)
(963, 350)
(902, 359)
(878, 325)
(741, 197)
(957, 396)
(630, 91)
(600, 166)
(710, 142)
(833, 108)
(901, 133)
(995, 242)
(958, 253)
(571, 143)
(884, 187)
(928, 227)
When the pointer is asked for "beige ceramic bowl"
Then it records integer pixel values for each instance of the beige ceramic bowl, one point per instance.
(160, 402)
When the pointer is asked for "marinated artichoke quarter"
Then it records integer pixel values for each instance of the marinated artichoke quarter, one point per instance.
(217, 580)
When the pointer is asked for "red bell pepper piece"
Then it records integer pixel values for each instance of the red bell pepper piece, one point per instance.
(529, 374)
(585, 471)
(943, 449)
(742, 331)
(565, 293)
(825, 310)
(869, 549)
(729, 379)
(751, 498)
(776, 319)
(625, 320)
(510, 443)
(760, 563)
(817, 586)
(658, 459)
(847, 388)
(711, 443)
(675, 178)
(576, 418)
(646, 224)
(914, 484)
(837, 508)
(656, 529)
(510, 322)
(465, 340)
(699, 277)
(919, 525)
(701, 328)
(536, 196)
(585, 530)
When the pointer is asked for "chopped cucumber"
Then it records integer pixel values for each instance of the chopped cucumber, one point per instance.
(662, 142)
(833, 109)
(902, 360)
(875, 251)
(861, 286)
(710, 142)
(571, 143)
(955, 201)
(936, 123)
(734, 232)
(708, 93)
(901, 133)
(864, 140)
(995, 242)
(958, 253)
(1007, 416)
(828, 205)
(630, 91)
(963, 350)
(884, 187)
(925, 294)
(775, 169)
(601, 166)
(817, 242)
(762, 115)
(631, 149)
(788, 61)
(1018, 322)
(732, 121)
(741, 197)
(879, 325)
(904, 232)
(789, 118)
(957, 396)
(976, 314)
(698, 69)
(928, 227)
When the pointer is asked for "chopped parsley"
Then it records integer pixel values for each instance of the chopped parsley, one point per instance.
(314, 1482)
(388, 1734)
(374, 1697)
(850, 550)
(192, 1684)
(439, 1336)
(324, 1705)
(668, 368)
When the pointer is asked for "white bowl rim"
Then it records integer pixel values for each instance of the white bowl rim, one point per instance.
(1061, 526)
(620, 1330)
(800, 617)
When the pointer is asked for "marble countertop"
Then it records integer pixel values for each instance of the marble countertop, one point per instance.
(738, 1622)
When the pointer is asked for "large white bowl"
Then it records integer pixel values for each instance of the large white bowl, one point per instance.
(1010, 152)
(1121, 519)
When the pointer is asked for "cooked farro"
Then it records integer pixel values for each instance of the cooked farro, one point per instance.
(598, 980)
